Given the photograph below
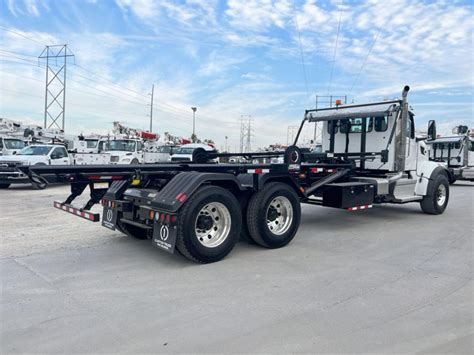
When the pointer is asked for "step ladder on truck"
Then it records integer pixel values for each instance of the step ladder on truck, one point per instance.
(370, 156)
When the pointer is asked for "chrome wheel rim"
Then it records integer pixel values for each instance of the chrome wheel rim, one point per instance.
(441, 195)
(212, 225)
(279, 215)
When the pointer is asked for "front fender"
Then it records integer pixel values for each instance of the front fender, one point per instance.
(427, 171)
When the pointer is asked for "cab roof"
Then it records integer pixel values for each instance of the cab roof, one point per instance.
(352, 111)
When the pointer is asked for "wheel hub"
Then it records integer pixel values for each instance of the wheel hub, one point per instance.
(279, 215)
(204, 222)
(213, 224)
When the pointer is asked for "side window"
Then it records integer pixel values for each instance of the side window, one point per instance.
(354, 125)
(59, 153)
(381, 123)
(471, 144)
(1, 143)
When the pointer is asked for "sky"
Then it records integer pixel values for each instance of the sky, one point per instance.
(236, 59)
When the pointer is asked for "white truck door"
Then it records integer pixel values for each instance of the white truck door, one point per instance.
(59, 156)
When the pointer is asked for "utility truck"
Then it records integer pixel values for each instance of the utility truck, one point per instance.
(457, 152)
(10, 145)
(370, 156)
(32, 155)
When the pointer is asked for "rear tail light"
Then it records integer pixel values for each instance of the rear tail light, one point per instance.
(152, 214)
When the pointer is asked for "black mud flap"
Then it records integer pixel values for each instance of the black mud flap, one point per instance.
(109, 217)
(164, 236)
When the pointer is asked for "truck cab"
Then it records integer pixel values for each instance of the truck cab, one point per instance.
(125, 151)
(379, 140)
(457, 152)
(10, 146)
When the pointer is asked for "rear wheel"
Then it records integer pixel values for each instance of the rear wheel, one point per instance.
(209, 225)
(437, 196)
(273, 215)
(4, 186)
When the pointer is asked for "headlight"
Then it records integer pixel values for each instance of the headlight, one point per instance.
(126, 160)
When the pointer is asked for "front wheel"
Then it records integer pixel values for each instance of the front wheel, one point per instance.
(437, 197)
(209, 225)
(273, 215)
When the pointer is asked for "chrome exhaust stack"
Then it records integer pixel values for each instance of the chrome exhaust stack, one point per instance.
(401, 136)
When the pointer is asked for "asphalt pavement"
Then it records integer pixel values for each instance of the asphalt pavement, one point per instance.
(385, 280)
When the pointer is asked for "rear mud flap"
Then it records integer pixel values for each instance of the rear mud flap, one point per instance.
(164, 236)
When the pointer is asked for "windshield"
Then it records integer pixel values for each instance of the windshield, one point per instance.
(122, 144)
(92, 143)
(34, 150)
(13, 143)
(185, 151)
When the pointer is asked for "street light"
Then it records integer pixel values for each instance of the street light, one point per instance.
(226, 144)
(194, 122)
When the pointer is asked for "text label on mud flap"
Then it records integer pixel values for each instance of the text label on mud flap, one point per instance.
(164, 237)
(109, 218)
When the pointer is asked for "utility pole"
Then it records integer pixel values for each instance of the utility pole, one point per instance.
(55, 89)
(226, 137)
(194, 123)
(151, 107)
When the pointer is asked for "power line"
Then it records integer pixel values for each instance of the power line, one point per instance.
(335, 46)
(21, 35)
(301, 50)
(365, 60)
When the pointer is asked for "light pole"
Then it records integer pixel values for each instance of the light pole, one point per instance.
(194, 122)
(226, 143)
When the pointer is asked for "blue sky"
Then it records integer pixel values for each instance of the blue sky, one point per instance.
(233, 58)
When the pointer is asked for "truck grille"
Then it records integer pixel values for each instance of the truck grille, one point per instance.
(114, 158)
(8, 166)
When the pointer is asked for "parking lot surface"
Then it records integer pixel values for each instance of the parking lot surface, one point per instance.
(389, 279)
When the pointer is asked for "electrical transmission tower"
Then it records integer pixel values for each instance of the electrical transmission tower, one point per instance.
(291, 134)
(56, 57)
(248, 147)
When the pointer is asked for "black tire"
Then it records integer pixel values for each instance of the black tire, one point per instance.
(293, 155)
(4, 186)
(132, 231)
(187, 241)
(259, 209)
(134, 161)
(432, 203)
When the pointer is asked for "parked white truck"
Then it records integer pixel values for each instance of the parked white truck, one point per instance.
(10, 145)
(457, 152)
(43, 154)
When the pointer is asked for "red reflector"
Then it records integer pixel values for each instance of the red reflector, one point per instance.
(152, 214)
(258, 171)
(91, 216)
(162, 217)
(94, 177)
(173, 218)
(182, 198)
(113, 204)
(178, 196)
(168, 218)
(117, 177)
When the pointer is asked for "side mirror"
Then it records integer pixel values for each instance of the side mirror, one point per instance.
(14, 152)
(460, 130)
(431, 130)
